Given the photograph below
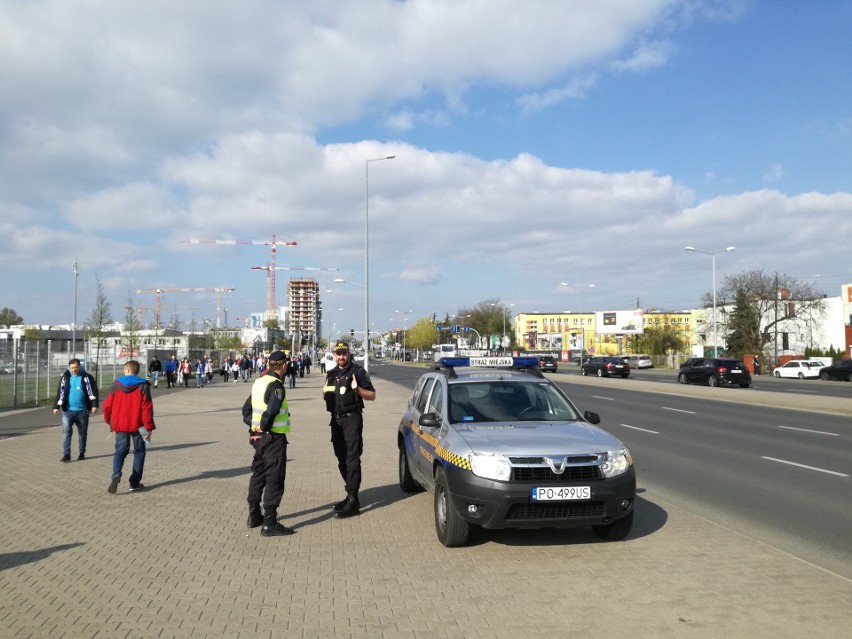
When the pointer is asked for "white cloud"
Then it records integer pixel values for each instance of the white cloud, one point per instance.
(774, 173)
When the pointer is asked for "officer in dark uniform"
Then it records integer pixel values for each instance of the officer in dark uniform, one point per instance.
(346, 388)
(268, 417)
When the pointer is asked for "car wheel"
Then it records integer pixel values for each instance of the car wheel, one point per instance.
(823, 376)
(617, 530)
(777, 374)
(626, 375)
(681, 378)
(801, 376)
(406, 481)
(451, 528)
(713, 381)
(600, 372)
(583, 372)
(745, 385)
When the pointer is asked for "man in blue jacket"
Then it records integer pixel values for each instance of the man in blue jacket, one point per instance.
(76, 397)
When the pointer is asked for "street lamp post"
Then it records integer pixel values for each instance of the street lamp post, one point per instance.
(74, 325)
(404, 328)
(367, 257)
(715, 323)
(580, 312)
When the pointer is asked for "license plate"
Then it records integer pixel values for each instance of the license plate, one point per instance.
(737, 372)
(564, 493)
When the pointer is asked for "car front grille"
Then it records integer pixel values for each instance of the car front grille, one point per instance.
(544, 474)
(561, 510)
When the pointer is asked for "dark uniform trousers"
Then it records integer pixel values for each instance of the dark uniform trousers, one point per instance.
(348, 444)
(268, 469)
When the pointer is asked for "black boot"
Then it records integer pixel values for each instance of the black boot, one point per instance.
(271, 527)
(350, 508)
(339, 505)
(255, 517)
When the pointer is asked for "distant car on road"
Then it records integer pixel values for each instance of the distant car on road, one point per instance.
(841, 369)
(714, 371)
(799, 368)
(547, 363)
(639, 361)
(605, 366)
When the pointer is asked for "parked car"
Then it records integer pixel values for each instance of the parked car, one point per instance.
(714, 371)
(841, 369)
(605, 366)
(800, 368)
(639, 361)
(547, 363)
(501, 446)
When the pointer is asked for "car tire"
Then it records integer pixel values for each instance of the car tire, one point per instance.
(617, 530)
(801, 376)
(626, 375)
(406, 481)
(823, 376)
(744, 385)
(600, 372)
(681, 378)
(583, 372)
(777, 374)
(452, 530)
(713, 381)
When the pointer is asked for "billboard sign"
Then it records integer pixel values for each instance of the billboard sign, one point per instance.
(620, 322)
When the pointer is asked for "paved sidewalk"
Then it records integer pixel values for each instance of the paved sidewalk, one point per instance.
(176, 560)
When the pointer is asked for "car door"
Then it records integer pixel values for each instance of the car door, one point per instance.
(426, 437)
(694, 372)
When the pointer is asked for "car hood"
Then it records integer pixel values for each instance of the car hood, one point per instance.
(538, 438)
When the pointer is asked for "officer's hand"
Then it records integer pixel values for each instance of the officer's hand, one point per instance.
(354, 383)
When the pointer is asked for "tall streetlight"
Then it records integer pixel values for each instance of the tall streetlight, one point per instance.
(74, 326)
(405, 315)
(580, 312)
(367, 257)
(715, 323)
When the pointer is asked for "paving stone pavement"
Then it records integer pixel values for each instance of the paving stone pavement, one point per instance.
(176, 559)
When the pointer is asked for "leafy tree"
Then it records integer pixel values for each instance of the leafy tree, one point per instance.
(658, 341)
(9, 318)
(100, 317)
(422, 334)
(744, 334)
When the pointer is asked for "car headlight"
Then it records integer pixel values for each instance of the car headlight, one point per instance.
(490, 466)
(616, 462)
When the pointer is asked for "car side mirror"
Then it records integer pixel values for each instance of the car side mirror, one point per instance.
(429, 420)
(592, 417)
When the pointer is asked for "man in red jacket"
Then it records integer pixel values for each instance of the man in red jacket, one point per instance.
(130, 413)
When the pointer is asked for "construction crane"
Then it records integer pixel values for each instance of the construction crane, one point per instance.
(271, 309)
(270, 277)
(218, 292)
(140, 308)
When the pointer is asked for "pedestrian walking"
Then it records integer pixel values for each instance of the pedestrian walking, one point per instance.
(170, 370)
(129, 411)
(155, 369)
(200, 373)
(268, 417)
(346, 388)
(76, 399)
(291, 372)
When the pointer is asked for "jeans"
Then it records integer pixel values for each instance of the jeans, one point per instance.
(155, 377)
(199, 379)
(122, 448)
(69, 418)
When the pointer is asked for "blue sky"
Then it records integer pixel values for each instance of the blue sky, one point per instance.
(537, 142)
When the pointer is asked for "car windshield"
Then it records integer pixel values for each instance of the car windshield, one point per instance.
(501, 401)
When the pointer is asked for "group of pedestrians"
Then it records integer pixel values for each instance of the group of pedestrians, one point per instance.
(128, 409)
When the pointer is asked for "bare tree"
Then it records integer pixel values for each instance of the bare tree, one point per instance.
(100, 317)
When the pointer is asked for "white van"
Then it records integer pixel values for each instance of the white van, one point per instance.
(639, 361)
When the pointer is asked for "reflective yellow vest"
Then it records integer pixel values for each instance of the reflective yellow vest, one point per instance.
(281, 423)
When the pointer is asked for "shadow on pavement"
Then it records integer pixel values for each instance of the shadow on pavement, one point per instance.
(225, 473)
(15, 559)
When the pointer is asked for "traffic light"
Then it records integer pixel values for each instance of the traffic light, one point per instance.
(352, 332)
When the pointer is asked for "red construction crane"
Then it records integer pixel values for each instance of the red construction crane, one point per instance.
(270, 276)
(218, 292)
(271, 309)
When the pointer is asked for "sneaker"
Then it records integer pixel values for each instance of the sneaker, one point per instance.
(81, 456)
(113, 485)
(65, 458)
(134, 489)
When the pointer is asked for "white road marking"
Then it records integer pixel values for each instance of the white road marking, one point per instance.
(808, 430)
(679, 410)
(820, 470)
(644, 430)
(609, 399)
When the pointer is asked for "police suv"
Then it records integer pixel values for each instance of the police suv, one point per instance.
(500, 446)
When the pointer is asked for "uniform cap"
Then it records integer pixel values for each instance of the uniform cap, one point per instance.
(277, 356)
(341, 346)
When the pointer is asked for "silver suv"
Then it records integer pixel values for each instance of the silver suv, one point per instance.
(500, 446)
